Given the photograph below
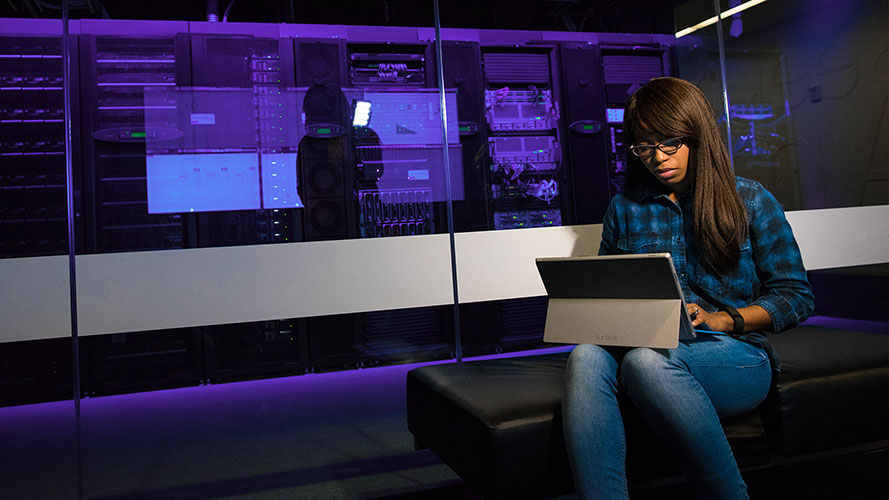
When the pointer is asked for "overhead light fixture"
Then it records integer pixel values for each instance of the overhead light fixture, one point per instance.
(712, 20)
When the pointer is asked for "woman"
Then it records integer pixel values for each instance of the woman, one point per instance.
(741, 272)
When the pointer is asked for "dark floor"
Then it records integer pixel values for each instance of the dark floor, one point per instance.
(334, 436)
(326, 436)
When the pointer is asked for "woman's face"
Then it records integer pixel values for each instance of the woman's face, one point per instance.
(670, 170)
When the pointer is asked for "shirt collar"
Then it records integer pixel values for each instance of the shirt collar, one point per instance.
(651, 190)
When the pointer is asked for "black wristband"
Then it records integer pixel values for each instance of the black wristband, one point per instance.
(737, 319)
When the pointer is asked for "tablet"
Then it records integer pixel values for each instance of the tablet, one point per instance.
(629, 300)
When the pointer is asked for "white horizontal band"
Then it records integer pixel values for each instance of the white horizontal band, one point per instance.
(137, 291)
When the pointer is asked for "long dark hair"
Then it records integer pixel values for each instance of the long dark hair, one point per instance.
(670, 107)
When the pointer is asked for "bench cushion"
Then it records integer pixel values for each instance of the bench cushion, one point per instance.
(832, 392)
(497, 423)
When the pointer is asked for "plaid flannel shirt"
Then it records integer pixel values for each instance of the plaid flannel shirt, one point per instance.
(770, 273)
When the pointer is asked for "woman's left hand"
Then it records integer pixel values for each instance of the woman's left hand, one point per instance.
(719, 321)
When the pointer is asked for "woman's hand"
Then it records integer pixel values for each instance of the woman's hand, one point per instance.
(719, 321)
(756, 319)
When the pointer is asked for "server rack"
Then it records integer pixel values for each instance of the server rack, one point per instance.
(136, 111)
(584, 125)
(256, 71)
(33, 196)
(254, 65)
(33, 199)
(317, 68)
(136, 361)
(526, 182)
(117, 72)
(390, 203)
(522, 114)
(35, 371)
(257, 349)
(391, 207)
(461, 62)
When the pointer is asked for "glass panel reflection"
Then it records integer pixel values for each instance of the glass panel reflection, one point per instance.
(198, 139)
(243, 188)
(37, 417)
(164, 153)
(550, 118)
(797, 97)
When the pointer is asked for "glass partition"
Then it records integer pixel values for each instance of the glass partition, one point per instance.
(786, 80)
(266, 204)
(253, 202)
(819, 70)
(543, 122)
(37, 404)
(806, 85)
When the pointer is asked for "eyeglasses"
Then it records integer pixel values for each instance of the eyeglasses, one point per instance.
(669, 147)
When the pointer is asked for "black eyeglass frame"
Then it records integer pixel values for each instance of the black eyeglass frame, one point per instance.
(636, 150)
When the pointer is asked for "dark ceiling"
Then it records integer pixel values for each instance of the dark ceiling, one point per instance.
(621, 16)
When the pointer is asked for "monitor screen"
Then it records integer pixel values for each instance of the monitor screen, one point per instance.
(408, 117)
(202, 182)
(614, 115)
(208, 182)
(236, 150)
(279, 181)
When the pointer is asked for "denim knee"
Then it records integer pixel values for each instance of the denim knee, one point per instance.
(591, 365)
(642, 367)
(587, 358)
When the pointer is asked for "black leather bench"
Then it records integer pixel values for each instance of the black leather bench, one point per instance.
(497, 422)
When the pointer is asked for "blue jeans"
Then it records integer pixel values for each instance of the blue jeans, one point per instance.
(681, 393)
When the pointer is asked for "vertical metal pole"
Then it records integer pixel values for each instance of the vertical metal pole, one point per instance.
(458, 343)
(725, 100)
(72, 262)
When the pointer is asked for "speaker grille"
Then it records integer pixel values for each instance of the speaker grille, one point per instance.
(326, 217)
(402, 330)
(524, 318)
(630, 69)
(531, 68)
(318, 64)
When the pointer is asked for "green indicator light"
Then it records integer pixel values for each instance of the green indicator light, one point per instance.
(323, 130)
(137, 135)
(588, 127)
(464, 129)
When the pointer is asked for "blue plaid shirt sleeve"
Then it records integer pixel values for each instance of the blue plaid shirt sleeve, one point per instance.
(785, 292)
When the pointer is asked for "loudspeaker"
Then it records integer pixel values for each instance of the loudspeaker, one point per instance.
(585, 114)
(320, 68)
(221, 61)
(325, 163)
